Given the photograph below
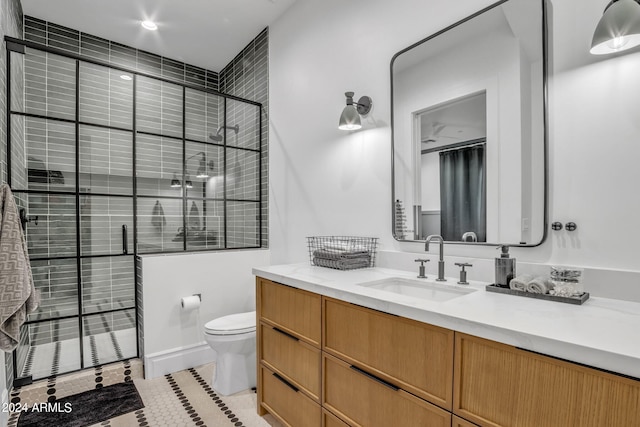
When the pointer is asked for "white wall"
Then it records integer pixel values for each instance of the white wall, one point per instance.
(223, 279)
(326, 181)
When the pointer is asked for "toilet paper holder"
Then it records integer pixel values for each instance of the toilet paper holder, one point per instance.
(194, 295)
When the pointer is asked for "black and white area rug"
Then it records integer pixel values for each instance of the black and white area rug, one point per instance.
(83, 409)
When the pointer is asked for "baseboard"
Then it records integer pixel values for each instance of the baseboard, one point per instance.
(177, 359)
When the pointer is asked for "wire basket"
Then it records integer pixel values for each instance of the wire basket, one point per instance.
(342, 252)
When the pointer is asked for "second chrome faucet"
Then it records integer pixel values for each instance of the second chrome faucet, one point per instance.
(441, 258)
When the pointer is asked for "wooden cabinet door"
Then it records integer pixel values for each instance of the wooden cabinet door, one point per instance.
(416, 356)
(286, 403)
(293, 310)
(294, 359)
(499, 385)
(363, 400)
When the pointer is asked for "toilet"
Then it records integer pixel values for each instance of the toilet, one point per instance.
(233, 338)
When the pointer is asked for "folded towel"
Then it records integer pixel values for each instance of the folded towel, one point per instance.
(342, 264)
(18, 295)
(539, 285)
(520, 282)
(335, 254)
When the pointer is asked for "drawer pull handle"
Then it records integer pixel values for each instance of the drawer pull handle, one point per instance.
(285, 333)
(373, 377)
(287, 383)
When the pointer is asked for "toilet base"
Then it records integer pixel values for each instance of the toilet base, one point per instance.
(234, 373)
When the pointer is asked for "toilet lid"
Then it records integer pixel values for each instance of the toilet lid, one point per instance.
(238, 323)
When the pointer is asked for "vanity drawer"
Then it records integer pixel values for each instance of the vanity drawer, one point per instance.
(460, 422)
(362, 400)
(287, 404)
(413, 355)
(330, 420)
(294, 311)
(297, 361)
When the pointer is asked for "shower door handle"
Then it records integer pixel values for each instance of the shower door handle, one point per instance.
(125, 245)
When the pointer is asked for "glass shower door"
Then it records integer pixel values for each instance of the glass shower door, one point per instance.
(71, 146)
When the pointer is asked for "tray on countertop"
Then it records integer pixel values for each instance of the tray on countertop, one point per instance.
(576, 300)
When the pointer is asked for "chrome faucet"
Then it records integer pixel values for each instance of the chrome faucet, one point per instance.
(441, 260)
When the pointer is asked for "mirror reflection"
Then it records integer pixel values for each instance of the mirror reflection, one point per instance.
(469, 130)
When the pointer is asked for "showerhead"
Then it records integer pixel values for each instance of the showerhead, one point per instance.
(217, 137)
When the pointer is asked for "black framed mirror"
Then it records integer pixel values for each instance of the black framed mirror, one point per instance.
(469, 130)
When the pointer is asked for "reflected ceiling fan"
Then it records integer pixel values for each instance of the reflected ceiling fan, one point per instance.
(436, 129)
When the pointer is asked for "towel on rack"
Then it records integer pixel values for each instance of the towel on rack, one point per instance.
(157, 216)
(193, 222)
(18, 296)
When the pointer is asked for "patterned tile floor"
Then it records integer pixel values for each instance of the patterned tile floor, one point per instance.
(44, 360)
(184, 398)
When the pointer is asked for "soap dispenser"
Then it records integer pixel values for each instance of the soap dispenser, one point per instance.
(505, 268)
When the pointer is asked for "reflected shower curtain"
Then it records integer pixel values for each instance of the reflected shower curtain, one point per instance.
(463, 193)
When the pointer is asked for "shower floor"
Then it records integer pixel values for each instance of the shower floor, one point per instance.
(59, 357)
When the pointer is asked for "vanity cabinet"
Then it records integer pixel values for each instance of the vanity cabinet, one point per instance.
(325, 362)
(414, 356)
(499, 385)
(288, 337)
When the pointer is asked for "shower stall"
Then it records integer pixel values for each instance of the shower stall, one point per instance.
(109, 163)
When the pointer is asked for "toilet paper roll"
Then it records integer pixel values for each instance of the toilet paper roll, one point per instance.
(190, 303)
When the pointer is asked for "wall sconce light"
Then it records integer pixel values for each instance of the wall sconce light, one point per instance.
(175, 182)
(350, 117)
(188, 183)
(618, 29)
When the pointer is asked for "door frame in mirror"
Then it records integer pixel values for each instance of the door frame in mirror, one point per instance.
(545, 132)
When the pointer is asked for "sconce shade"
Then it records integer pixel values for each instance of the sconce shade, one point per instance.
(349, 119)
(175, 182)
(618, 29)
(188, 183)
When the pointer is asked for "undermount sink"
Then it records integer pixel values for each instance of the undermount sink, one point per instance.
(428, 290)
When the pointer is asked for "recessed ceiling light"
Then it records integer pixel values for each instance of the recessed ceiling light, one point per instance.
(125, 77)
(149, 25)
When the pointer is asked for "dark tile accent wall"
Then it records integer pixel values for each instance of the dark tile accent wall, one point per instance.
(11, 25)
(247, 76)
(80, 43)
(140, 305)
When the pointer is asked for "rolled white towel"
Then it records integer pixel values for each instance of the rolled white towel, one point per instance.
(520, 282)
(539, 285)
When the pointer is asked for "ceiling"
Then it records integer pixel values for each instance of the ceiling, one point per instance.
(205, 33)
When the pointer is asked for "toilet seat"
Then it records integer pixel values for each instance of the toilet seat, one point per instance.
(233, 324)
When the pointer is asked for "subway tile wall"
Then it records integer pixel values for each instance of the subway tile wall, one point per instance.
(247, 76)
(11, 25)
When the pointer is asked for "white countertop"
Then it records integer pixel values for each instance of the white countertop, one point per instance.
(604, 333)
